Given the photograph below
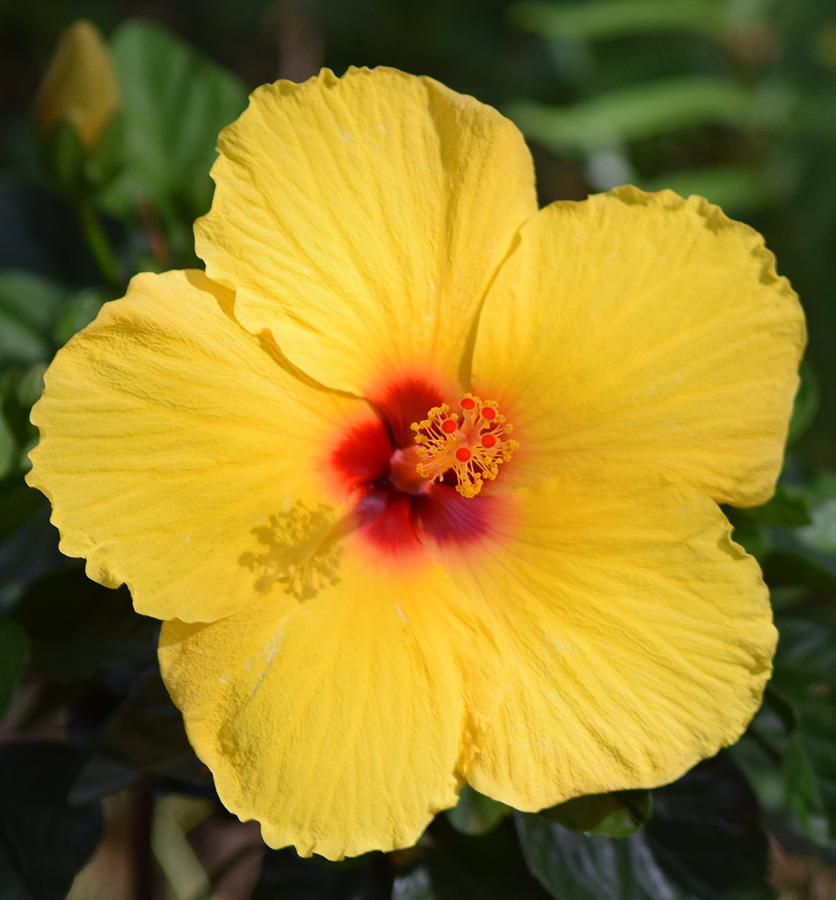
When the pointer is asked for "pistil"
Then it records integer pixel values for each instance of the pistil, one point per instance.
(472, 444)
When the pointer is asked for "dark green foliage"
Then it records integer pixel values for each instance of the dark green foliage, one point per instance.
(615, 815)
(475, 813)
(44, 838)
(704, 840)
(175, 104)
(14, 650)
(285, 874)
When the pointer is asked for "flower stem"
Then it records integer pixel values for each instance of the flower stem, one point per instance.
(99, 243)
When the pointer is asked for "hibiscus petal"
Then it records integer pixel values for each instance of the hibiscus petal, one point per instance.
(641, 333)
(361, 219)
(170, 438)
(335, 721)
(635, 639)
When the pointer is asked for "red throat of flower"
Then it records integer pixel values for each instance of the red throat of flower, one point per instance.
(472, 445)
(417, 482)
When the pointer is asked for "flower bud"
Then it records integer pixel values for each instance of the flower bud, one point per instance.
(80, 86)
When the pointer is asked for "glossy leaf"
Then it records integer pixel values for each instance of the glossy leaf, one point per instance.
(615, 815)
(707, 832)
(703, 841)
(572, 866)
(476, 813)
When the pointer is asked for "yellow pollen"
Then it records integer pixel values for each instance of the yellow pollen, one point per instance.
(474, 444)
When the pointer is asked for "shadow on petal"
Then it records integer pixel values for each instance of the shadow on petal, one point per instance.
(298, 548)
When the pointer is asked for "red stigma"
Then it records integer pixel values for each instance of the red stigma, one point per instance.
(467, 403)
(463, 454)
(449, 426)
(488, 440)
(488, 412)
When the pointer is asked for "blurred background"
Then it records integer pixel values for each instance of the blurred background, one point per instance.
(731, 99)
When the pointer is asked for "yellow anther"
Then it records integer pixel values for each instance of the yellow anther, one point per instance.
(472, 446)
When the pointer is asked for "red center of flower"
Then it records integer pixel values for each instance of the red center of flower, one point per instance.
(414, 476)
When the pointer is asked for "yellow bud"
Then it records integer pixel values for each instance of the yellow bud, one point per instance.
(80, 85)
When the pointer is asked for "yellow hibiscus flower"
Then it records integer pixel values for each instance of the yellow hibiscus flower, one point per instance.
(302, 461)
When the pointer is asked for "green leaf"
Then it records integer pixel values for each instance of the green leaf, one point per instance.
(28, 306)
(806, 404)
(30, 385)
(8, 447)
(602, 19)
(648, 110)
(449, 865)
(736, 188)
(785, 510)
(44, 840)
(14, 651)
(782, 708)
(616, 815)
(17, 504)
(752, 535)
(801, 785)
(704, 840)
(786, 569)
(77, 312)
(573, 866)
(143, 739)
(475, 813)
(31, 546)
(76, 626)
(175, 104)
(805, 674)
(707, 833)
(821, 533)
